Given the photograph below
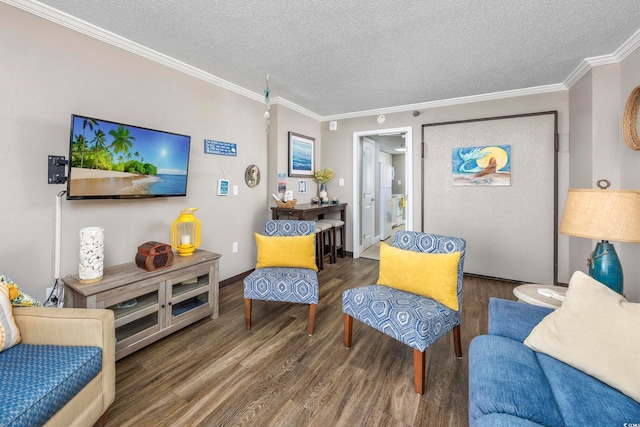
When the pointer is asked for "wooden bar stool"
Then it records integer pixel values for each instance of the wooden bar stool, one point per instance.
(323, 231)
(336, 225)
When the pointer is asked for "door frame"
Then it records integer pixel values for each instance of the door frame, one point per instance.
(408, 179)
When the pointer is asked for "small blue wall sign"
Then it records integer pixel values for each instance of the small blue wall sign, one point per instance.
(219, 147)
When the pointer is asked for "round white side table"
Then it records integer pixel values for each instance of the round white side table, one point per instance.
(529, 293)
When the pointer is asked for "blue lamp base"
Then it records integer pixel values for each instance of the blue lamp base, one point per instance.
(605, 267)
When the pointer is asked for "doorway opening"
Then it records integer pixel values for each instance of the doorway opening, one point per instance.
(379, 212)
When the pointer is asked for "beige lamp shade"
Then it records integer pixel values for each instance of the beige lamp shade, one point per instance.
(602, 215)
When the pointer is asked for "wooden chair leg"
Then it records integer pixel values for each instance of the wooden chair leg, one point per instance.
(319, 250)
(312, 318)
(247, 313)
(456, 341)
(418, 370)
(334, 251)
(348, 329)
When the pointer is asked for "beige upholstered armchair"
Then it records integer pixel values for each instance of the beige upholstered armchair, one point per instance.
(76, 327)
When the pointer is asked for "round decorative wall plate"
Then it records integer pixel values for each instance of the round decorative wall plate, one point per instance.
(631, 120)
(252, 176)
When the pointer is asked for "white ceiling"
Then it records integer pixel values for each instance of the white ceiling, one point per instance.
(337, 57)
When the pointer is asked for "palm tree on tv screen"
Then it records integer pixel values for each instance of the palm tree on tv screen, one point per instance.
(122, 140)
(80, 147)
(101, 157)
(86, 123)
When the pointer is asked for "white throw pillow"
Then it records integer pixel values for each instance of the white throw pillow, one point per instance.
(597, 331)
(9, 333)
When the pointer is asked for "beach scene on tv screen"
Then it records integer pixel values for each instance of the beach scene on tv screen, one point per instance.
(111, 159)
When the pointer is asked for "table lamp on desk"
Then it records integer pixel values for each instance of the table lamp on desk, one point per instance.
(605, 215)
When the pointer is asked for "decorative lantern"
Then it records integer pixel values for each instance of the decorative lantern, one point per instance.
(185, 232)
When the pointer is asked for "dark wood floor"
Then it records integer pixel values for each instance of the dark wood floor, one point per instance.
(216, 373)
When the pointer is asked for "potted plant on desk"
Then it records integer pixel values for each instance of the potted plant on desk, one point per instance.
(322, 176)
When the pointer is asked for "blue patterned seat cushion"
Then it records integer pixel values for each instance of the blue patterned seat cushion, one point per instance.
(282, 284)
(37, 380)
(289, 227)
(411, 319)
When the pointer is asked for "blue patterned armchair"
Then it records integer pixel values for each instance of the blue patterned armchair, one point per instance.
(298, 285)
(414, 320)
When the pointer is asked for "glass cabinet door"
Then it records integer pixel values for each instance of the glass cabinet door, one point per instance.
(137, 316)
(189, 295)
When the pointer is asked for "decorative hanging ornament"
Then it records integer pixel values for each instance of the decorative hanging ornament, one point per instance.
(267, 105)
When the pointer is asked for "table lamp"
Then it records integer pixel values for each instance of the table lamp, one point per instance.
(605, 215)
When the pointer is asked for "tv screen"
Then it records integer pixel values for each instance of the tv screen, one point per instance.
(109, 160)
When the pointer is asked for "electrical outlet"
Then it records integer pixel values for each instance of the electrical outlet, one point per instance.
(235, 247)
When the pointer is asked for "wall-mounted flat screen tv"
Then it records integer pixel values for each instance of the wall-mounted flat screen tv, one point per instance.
(110, 160)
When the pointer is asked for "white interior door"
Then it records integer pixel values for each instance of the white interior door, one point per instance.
(358, 166)
(368, 192)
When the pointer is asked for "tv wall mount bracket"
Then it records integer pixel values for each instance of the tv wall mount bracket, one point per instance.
(56, 171)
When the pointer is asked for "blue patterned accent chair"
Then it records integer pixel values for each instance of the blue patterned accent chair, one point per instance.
(414, 320)
(298, 285)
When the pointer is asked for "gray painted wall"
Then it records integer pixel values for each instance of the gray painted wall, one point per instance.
(50, 72)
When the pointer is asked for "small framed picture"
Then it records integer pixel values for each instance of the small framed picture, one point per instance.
(223, 187)
(302, 186)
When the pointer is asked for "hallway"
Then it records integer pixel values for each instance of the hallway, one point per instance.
(373, 251)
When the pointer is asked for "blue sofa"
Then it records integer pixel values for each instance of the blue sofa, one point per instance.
(511, 385)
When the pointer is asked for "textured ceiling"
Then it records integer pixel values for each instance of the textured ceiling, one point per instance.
(334, 57)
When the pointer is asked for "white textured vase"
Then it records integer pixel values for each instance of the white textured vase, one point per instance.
(91, 254)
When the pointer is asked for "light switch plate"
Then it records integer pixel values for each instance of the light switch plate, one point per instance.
(341, 182)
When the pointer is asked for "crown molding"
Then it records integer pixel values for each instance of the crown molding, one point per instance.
(628, 47)
(295, 107)
(616, 57)
(73, 23)
(452, 101)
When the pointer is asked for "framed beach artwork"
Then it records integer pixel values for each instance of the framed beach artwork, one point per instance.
(301, 149)
(481, 166)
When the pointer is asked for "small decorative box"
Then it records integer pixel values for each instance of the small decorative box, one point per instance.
(154, 255)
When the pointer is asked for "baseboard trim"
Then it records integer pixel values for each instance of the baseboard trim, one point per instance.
(231, 280)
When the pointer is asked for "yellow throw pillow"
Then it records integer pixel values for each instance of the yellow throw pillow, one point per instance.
(595, 330)
(432, 275)
(9, 333)
(286, 251)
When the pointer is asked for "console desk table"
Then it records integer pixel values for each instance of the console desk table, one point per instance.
(309, 211)
(313, 212)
